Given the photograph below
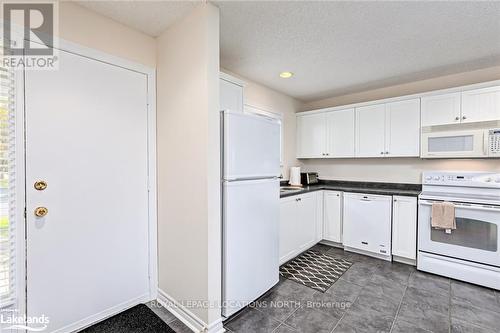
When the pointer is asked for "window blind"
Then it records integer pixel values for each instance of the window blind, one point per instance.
(7, 187)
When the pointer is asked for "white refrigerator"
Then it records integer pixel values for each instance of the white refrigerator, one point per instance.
(250, 190)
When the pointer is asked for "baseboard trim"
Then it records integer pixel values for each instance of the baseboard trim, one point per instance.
(93, 319)
(189, 319)
(404, 260)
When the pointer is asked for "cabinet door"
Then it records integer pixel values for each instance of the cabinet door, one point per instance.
(340, 127)
(332, 221)
(403, 128)
(404, 227)
(311, 135)
(231, 96)
(481, 105)
(319, 216)
(370, 128)
(441, 109)
(306, 226)
(367, 222)
(288, 226)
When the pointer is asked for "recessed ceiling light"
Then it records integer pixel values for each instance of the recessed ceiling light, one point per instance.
(286, 75)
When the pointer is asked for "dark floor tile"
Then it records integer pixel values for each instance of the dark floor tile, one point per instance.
(277, 305)
(359, 274)
(427, 300)
(474, 295)
(463, 327)
(375, 300)
(486, 318)
(323, 248)
(252, 321)
(380, 286)
(336, 300)
(365, 320)
(430, 282)
(309, 320)
(404, 327)
(338, 253)
(396, 272)
(179, 327)
(285, 329)
(293, 290)
(421, 312)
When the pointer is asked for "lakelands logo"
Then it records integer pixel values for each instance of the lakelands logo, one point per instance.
(28, 34)
(10, 320)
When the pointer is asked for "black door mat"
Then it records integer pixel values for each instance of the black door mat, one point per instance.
(315, 270)
(139, 319)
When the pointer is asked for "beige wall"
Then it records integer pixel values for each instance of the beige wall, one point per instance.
(189, 220)
(404, 170)
(270, 100)
(84, 27)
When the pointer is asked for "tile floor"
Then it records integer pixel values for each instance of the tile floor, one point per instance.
(372, 296)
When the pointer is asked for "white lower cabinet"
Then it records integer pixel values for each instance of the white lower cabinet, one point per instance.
(404, 227)
(367, 223)
(332, 216)
(298, 224)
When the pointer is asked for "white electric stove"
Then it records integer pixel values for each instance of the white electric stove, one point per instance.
(471, 252)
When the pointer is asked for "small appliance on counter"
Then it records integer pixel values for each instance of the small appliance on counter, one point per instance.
(308, 178)
(294, 176)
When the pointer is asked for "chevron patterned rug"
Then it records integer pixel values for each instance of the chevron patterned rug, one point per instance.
(315, 270)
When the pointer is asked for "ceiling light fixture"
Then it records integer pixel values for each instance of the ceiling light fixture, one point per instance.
(286, 75)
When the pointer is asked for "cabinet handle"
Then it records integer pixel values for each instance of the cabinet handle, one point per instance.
(365, 243)
(464, 117)
(382, 153)
(457, 118)
(386, 152)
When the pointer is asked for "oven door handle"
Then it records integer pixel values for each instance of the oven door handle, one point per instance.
(460, 205)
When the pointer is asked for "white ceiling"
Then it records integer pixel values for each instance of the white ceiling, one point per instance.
(150, 17)
(334, 47)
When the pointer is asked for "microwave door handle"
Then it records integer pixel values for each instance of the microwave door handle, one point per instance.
(485, 143)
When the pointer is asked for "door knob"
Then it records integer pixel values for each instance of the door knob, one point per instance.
(40, 185)
(41, 211)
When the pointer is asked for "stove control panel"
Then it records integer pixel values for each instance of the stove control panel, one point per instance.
(472, 179)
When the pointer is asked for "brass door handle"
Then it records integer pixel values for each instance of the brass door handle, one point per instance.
(41, 211)
(40, 185)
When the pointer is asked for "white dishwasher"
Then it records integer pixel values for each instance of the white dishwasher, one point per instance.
(367, 224)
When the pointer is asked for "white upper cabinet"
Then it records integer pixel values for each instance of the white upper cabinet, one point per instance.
(370, 129)
(231, 96)
(341, 129)
(441, 109)
(311, 135)
(402, 136)
(481, 105)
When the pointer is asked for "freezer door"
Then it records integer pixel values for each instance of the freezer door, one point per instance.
(251, 146)
(250, 247)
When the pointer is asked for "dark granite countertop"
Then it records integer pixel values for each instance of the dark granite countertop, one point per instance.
(358, 187)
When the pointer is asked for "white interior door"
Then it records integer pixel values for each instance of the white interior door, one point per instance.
(86, 137)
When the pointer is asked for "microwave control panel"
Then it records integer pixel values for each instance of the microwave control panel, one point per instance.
(494, 142)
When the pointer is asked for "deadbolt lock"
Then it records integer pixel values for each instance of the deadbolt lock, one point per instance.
(41, 211)
(40, 185)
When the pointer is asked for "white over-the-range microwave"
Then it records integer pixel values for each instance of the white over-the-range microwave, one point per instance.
(464, 143)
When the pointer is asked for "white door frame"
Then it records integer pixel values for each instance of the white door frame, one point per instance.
(20, 162)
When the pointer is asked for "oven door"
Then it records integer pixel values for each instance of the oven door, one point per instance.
(475, 239)
(470, 143)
